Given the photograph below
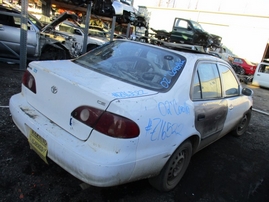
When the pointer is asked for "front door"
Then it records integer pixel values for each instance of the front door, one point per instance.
(182, 32)
(210, 108)
(261, 76)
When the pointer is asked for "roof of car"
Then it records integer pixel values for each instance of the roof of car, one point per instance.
(195, 53)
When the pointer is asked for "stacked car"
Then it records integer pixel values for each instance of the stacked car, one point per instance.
(42, 42)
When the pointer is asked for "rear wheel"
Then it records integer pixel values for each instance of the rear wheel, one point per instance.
(242, 125)
(242, 71)
(174, 168)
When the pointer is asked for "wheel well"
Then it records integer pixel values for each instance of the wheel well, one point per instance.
(195, 139)
(47, 46)
(57, 46)
(91, 46)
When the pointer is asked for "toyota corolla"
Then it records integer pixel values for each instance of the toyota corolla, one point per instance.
(128, 111)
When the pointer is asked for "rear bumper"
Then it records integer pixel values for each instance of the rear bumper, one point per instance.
(83, 159)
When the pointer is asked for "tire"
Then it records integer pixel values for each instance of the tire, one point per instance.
(242, 71)
(174, 168)
(245, 80)
(242, 125)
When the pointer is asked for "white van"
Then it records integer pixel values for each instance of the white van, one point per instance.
(261, 76)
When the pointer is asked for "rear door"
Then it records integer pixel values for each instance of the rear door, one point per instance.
(210, 108)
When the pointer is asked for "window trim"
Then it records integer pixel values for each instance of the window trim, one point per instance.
(223, 94)
(236, 78)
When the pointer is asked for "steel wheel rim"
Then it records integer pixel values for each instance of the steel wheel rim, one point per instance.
(176, 167)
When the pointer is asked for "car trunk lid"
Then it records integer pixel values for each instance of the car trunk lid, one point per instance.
(63, 86)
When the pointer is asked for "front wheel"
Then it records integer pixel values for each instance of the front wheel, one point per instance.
(242, 71)
(242, 125)
(174, 168)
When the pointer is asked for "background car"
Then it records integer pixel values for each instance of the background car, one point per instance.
(249, 67)
(69, 27)
(122, 9)
(261, 75)
(136, 105)
(224, 52)
(41, 43)
(191, 32)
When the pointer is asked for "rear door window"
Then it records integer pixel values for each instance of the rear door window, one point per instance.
(206, 82)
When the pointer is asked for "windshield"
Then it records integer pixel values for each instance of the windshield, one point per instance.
(94, 32)
(135, 63)
(197, 26)
(35, 21)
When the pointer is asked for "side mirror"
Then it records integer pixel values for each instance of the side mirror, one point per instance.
(247, 92)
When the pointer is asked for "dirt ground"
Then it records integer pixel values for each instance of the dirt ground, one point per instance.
(232, 169)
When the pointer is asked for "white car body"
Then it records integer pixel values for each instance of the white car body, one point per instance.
(165, 119)
(79, 36)
(66, 26)
(261, 75)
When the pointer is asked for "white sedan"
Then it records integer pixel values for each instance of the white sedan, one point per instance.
(128, 111)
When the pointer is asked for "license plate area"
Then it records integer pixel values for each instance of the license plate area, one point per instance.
(38, 144)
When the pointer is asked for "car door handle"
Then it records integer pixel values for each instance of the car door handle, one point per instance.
(231, 107)
(258, 74)
(200, 117)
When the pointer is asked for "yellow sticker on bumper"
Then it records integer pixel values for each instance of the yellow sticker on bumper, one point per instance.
(38, 144)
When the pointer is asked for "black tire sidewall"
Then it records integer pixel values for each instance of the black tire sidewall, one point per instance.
(237, 133)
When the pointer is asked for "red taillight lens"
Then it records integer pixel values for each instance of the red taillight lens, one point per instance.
(87, 115)
(29, 81)
(107, 123)
(117, 126)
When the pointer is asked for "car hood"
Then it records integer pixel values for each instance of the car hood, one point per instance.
(62, 86)
(64, 16)
(64, 19)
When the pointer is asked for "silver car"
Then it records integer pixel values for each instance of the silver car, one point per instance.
(67, 26)
(42, 44)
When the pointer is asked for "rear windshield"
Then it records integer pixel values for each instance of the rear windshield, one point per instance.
(135, 63)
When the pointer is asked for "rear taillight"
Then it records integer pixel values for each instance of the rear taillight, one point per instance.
(28, 81)
(107, 123)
